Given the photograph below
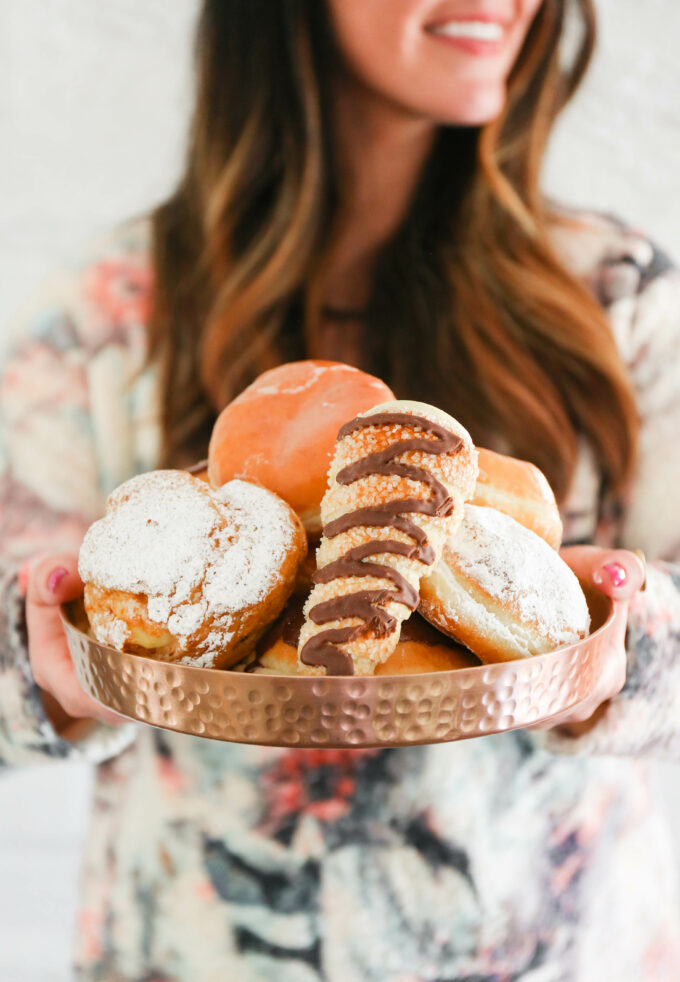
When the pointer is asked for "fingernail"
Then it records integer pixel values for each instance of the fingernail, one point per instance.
(616, 573)
(55, 578)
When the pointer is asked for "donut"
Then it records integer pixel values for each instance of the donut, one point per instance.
(199, 470)
(280, 432)
(306, 570)
(502, 591)
(397, 483)
(421, 648)
(181, 572)
(521, 490)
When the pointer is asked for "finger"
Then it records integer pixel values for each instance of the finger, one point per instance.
(581, 723)
(54, 672)
(80, 705)
(618, 573)
(611, 682)
(581, 711)
(54, 580)
(577, 714)
(24, 574)
(549, 724)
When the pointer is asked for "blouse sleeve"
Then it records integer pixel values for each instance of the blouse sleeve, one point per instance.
(67, 436)
(645, 717)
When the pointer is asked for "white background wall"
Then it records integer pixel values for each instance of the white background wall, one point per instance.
(93, 103)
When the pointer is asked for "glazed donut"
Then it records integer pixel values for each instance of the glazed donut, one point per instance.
(421, 648)
(502, 591)
(280, 432)
(397, 483)
(180, 572)
(521, 490)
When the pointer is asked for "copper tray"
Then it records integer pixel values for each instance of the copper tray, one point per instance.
(387, 711)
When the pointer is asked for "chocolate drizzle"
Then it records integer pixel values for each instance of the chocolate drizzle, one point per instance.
(322, 649)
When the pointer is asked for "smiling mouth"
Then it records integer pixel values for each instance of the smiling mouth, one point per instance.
(470, 30)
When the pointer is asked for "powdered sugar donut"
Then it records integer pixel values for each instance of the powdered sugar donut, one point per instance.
(182, 572)
(502, 591)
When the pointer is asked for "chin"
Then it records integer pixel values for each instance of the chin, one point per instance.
(474, 106)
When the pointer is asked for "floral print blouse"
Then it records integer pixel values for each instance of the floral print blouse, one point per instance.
(523, 856)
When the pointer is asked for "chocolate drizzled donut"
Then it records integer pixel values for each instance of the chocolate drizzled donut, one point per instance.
(324, 649)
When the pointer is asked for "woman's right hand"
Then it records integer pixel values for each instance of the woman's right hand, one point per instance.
(52, 581)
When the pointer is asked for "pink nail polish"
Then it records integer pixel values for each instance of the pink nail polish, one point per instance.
(55, 578)
(616, 573)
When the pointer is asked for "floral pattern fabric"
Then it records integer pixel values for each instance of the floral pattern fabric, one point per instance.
(522, 856)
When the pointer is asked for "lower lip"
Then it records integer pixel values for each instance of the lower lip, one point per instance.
(472, 46)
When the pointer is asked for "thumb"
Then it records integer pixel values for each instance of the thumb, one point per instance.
(618, 573)
(54, 580)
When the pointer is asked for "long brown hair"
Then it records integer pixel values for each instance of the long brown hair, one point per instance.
(471, 309)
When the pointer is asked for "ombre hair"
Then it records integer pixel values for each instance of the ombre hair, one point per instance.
(471, 308)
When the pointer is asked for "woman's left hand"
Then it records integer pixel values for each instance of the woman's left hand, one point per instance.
(619, 574)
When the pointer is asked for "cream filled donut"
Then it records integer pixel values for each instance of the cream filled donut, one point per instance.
(280, 432)
(521, 490)
(182, 572)
(502, 591)
(396, 487)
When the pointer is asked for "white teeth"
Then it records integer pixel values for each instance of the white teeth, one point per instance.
(477, 30)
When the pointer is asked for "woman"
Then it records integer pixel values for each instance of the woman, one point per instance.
(362, 184)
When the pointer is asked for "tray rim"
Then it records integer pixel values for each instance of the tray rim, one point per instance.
(615, 609)
(336, 687)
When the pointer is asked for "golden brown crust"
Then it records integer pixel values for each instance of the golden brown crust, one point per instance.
(502, 591)
(518, 489)
(221, 633)
(303, 582)
(280, 432)
(408, 658)
(487, 647)
(414, 657)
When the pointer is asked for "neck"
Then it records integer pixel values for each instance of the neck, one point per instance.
(381, 153)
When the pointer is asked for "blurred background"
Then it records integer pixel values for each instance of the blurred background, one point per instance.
(94, 99)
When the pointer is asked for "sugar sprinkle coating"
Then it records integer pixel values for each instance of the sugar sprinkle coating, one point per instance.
(390, 504)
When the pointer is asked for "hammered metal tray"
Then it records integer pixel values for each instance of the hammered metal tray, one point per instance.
(386, 711)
